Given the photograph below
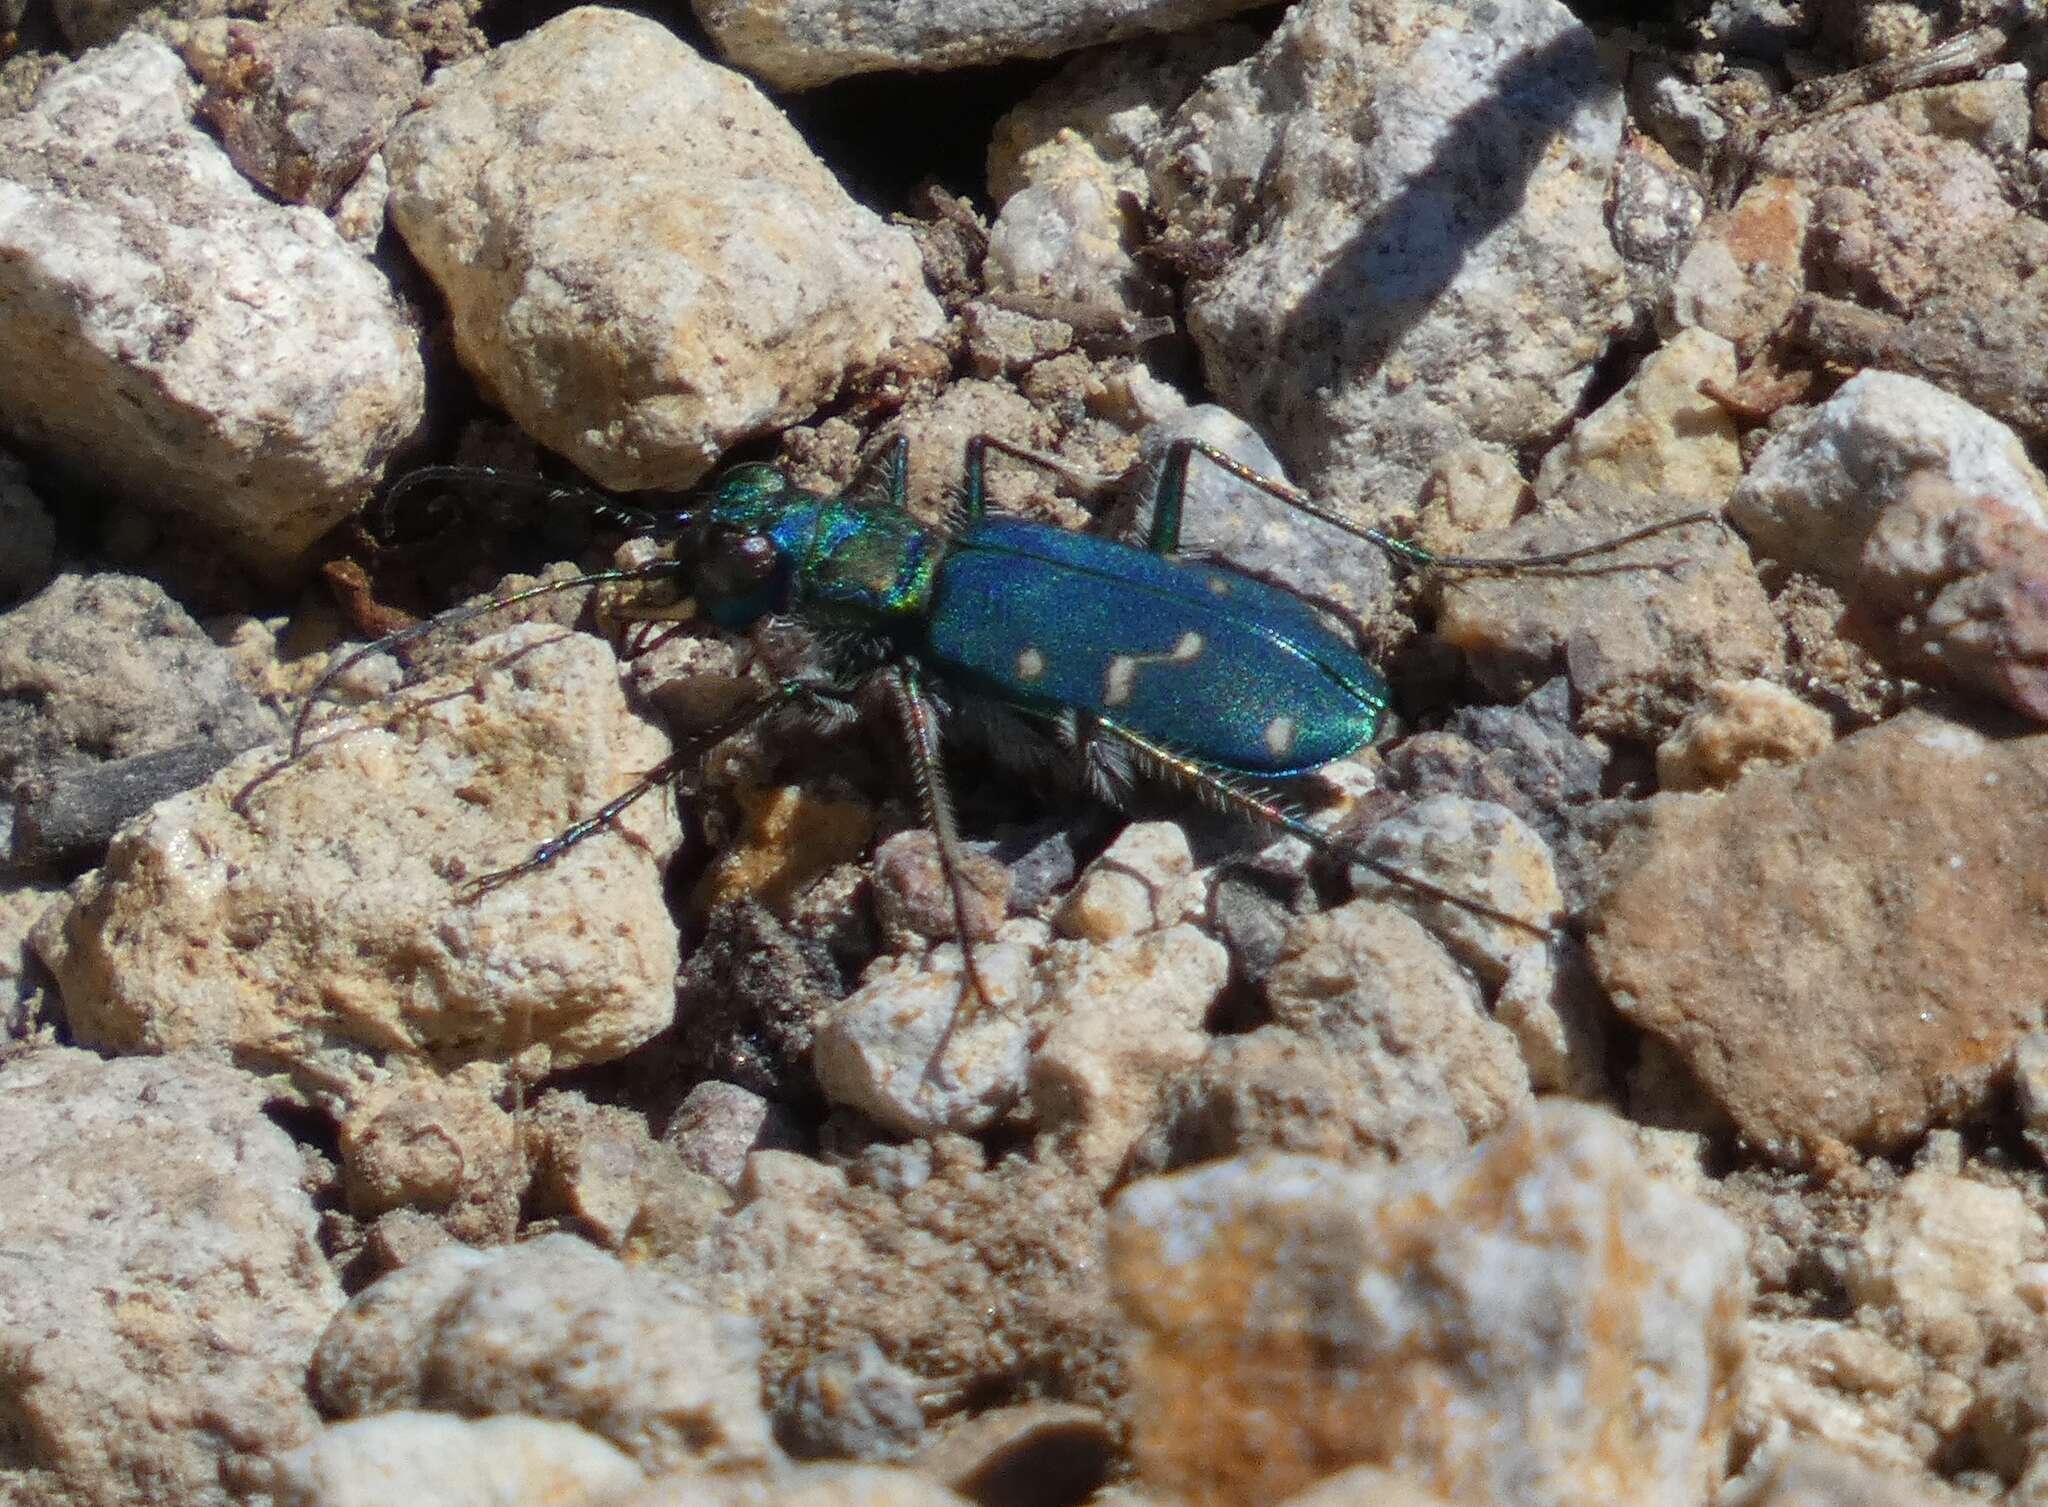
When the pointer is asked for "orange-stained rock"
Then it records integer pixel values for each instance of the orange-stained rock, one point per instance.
(1539, 1321)
(1846, 951)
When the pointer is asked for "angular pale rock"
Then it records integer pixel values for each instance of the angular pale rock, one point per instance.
(824, 1485)
(1746, 269)
(1369, 980)
(163, 1288)
(916, 1050)
(1409, 201)
(1141, 882)
(1843, 952)
(1816, 491)
(961, 1272)
(554, 1329)
(328, 926)
(440, 1146)
(1833, 1384)
(1814, 1475)
(170, 331)
(1660, 434)
(643, 261)
(1942, 1255)
(1537, 1322)
(1125, 1018)
(440, 1460)
(1928, 516)
(799, 44)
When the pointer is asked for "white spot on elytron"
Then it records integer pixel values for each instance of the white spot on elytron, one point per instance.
(1120, 676)
(1118, 679)
(1219, 586)
(1280, 737)
(1030, 663)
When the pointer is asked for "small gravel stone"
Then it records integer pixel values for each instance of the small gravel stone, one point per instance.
(324, 929)
(176, 335)
(553, 1329)
(1476, 851)
(799, 44)
(162, 1291)
(439, 1460)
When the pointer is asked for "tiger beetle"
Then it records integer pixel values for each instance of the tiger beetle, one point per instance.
(1216, 679)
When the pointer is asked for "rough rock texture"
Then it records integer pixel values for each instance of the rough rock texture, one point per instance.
(440, 1460)
(161, 1292)
(1475, 851)
(328, 924)
(301, 111)
(643, 261)
(207, 352)
(1641, 632)
(1660, 435)
(111, 698)
(1539, 1322)
(438, 1146)
(1846, 951)
(1740, 724)
(797, 44)
(1066, 167)
(1407, 205)
(597, 1165)
(1928, 516)
(1379, 1050)
(1124, 1019)
(553, 1329)
(988, 1277)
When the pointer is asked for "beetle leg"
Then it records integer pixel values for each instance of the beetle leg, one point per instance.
(1235, 796)
(921, 732)
(975, 500)
(890, 466)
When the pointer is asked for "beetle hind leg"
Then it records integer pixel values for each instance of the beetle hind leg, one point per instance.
(1221, 790)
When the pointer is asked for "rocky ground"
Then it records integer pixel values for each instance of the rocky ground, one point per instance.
(1707, 1164)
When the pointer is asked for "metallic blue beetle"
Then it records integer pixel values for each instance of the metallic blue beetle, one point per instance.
(1207, 675)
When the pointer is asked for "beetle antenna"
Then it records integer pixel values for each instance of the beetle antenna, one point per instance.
(602, 504)
(1401, 549)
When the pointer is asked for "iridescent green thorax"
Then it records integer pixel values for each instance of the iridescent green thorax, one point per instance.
(839, 563)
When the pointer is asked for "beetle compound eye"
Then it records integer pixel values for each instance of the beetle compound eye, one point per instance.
(738, 564)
